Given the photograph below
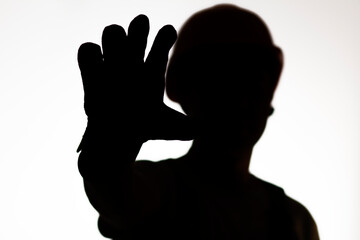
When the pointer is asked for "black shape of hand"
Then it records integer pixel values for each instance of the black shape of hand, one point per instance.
(124, 93)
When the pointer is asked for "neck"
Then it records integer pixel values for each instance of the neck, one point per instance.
(221, 158)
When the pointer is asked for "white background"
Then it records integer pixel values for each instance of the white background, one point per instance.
(310, 147)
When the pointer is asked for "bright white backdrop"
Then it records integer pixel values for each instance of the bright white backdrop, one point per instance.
(310, 147)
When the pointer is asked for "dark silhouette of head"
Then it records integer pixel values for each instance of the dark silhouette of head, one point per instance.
(223, 72)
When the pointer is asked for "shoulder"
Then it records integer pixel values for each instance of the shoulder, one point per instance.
(304, 224)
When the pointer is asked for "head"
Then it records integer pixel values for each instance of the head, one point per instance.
(223, 72)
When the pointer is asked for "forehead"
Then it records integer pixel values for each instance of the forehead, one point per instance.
(229, 59)
(229, 69)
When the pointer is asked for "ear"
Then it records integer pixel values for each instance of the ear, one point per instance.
(279, 65)
(271, 110)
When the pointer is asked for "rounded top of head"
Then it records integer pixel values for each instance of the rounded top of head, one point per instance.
(222, 24)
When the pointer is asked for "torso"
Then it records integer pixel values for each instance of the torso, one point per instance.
(213, 210)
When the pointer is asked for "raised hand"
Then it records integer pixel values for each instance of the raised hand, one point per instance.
(124, 93)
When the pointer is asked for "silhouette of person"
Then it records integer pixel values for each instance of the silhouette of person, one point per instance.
(223, 72)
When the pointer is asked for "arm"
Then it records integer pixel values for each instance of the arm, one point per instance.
(304, 224)
(124, 105)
